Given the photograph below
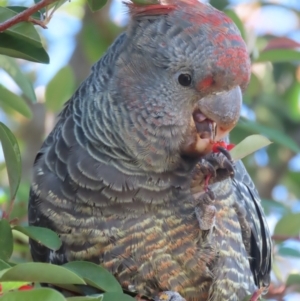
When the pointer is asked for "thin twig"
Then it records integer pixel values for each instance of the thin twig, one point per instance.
(37, 22)
(25, 15)
(279, 237)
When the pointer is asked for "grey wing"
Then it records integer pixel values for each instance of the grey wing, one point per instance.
(260, 246)
(52, 193)
(46, 163)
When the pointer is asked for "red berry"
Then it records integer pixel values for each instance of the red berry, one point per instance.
(214, 148)
(218, 144)
(25, 287)
(221, 144)
(230, 146)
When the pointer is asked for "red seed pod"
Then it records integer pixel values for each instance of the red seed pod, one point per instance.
(221, 144)
(25, 287)
(230, 146)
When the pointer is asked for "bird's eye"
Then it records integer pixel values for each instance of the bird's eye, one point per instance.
(184, 79)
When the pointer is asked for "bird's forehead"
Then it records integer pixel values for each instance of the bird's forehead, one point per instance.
(190, 34)
(210, 23)
(213, 36)
(187, 20)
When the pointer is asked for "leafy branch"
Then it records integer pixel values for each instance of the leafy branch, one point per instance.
(26, 15)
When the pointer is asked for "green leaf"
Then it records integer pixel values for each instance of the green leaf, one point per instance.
(15, 47)
(43, 10)
(57, 4)
(6, 240)
(291, 101)
(23, 31)
(234, 17)
(60, 89)
(219, 4)
(288, 225)
(248, 146)
(7, 286)
(273, 134)
(18, 9)
(21, 40)
(291, 181)
(278, 55)
(15, 102)
(116, 297)
(96, 4)
(281, 43)
(145, 2)
(44, 236)
(94, 42)
(255, 87)
(40, 294)
(12, 158)
(87, 298)
(3, 264)
(271, 206)
(277, 271)
(12, 68)
(40, 272)
(293, 279)
(95, 275)
(290, 252)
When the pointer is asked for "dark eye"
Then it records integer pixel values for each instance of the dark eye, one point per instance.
(184, 79)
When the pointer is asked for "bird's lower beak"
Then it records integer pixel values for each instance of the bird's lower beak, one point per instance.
(213, 118)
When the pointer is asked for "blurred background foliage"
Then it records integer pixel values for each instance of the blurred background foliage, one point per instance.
(32, 94)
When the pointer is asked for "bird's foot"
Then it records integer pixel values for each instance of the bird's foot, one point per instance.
(169, 296)
(216, 166)
(205, 210)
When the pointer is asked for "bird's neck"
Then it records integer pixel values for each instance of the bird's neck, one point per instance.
(136, 164)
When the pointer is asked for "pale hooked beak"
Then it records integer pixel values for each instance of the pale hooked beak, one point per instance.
(213, 118)
(216, 115)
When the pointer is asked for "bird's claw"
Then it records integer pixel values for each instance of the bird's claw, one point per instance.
(169, 296)
(217, 167)
(215, 161)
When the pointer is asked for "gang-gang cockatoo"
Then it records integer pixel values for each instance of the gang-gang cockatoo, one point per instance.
(120, 176)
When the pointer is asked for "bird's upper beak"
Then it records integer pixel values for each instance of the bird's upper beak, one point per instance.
(213, 118)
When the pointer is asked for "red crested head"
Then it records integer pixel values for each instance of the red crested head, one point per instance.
(211, 31)
(179, 57)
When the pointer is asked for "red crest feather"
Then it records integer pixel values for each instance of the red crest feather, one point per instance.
(159, 7)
